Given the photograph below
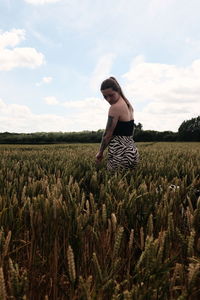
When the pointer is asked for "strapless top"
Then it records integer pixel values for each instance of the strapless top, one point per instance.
(124, 128)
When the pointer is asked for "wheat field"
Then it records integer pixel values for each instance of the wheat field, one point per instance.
(71, 230)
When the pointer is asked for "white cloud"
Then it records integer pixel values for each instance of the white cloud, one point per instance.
(51, 100)
(88, 114)
(2, 105)
(13, 117)
(102, 70)
(11, 38)
(171, 92)
(15, 110)
(20, 57)
(36, 2)
(45, 80)
(163, 82)
(87, 104)
(161, 121)
(19, 118)
(17, 57)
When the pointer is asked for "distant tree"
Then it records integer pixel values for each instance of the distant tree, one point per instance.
(137, 130)
(139, 126)
(190, 130)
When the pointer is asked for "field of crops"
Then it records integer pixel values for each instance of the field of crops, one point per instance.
(71, 230)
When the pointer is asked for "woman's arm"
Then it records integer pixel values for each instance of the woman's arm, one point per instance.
(107, 135)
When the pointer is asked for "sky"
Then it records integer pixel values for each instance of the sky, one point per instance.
(54, 54)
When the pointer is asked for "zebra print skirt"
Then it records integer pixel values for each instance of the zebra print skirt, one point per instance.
(122, 153)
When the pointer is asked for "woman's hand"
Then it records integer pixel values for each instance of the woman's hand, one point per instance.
(99, 157)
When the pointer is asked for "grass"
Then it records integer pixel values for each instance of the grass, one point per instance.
(70, 230)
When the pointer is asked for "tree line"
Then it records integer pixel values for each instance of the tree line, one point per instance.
(188, 131)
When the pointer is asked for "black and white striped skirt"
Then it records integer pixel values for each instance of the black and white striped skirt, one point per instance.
(122, 153)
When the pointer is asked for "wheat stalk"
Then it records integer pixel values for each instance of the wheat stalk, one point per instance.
(71, 264)
(3, 295)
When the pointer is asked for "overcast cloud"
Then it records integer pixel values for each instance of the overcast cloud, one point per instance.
(54, 55)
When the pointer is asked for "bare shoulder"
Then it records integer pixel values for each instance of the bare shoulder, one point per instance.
(122, 111)
(114, 110)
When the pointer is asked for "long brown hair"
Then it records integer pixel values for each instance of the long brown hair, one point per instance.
(112, 83)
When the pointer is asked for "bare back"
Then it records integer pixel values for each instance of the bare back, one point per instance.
(124, 112)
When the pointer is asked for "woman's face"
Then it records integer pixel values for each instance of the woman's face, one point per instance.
(110, 95)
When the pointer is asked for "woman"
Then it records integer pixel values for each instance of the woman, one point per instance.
(122, 152)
